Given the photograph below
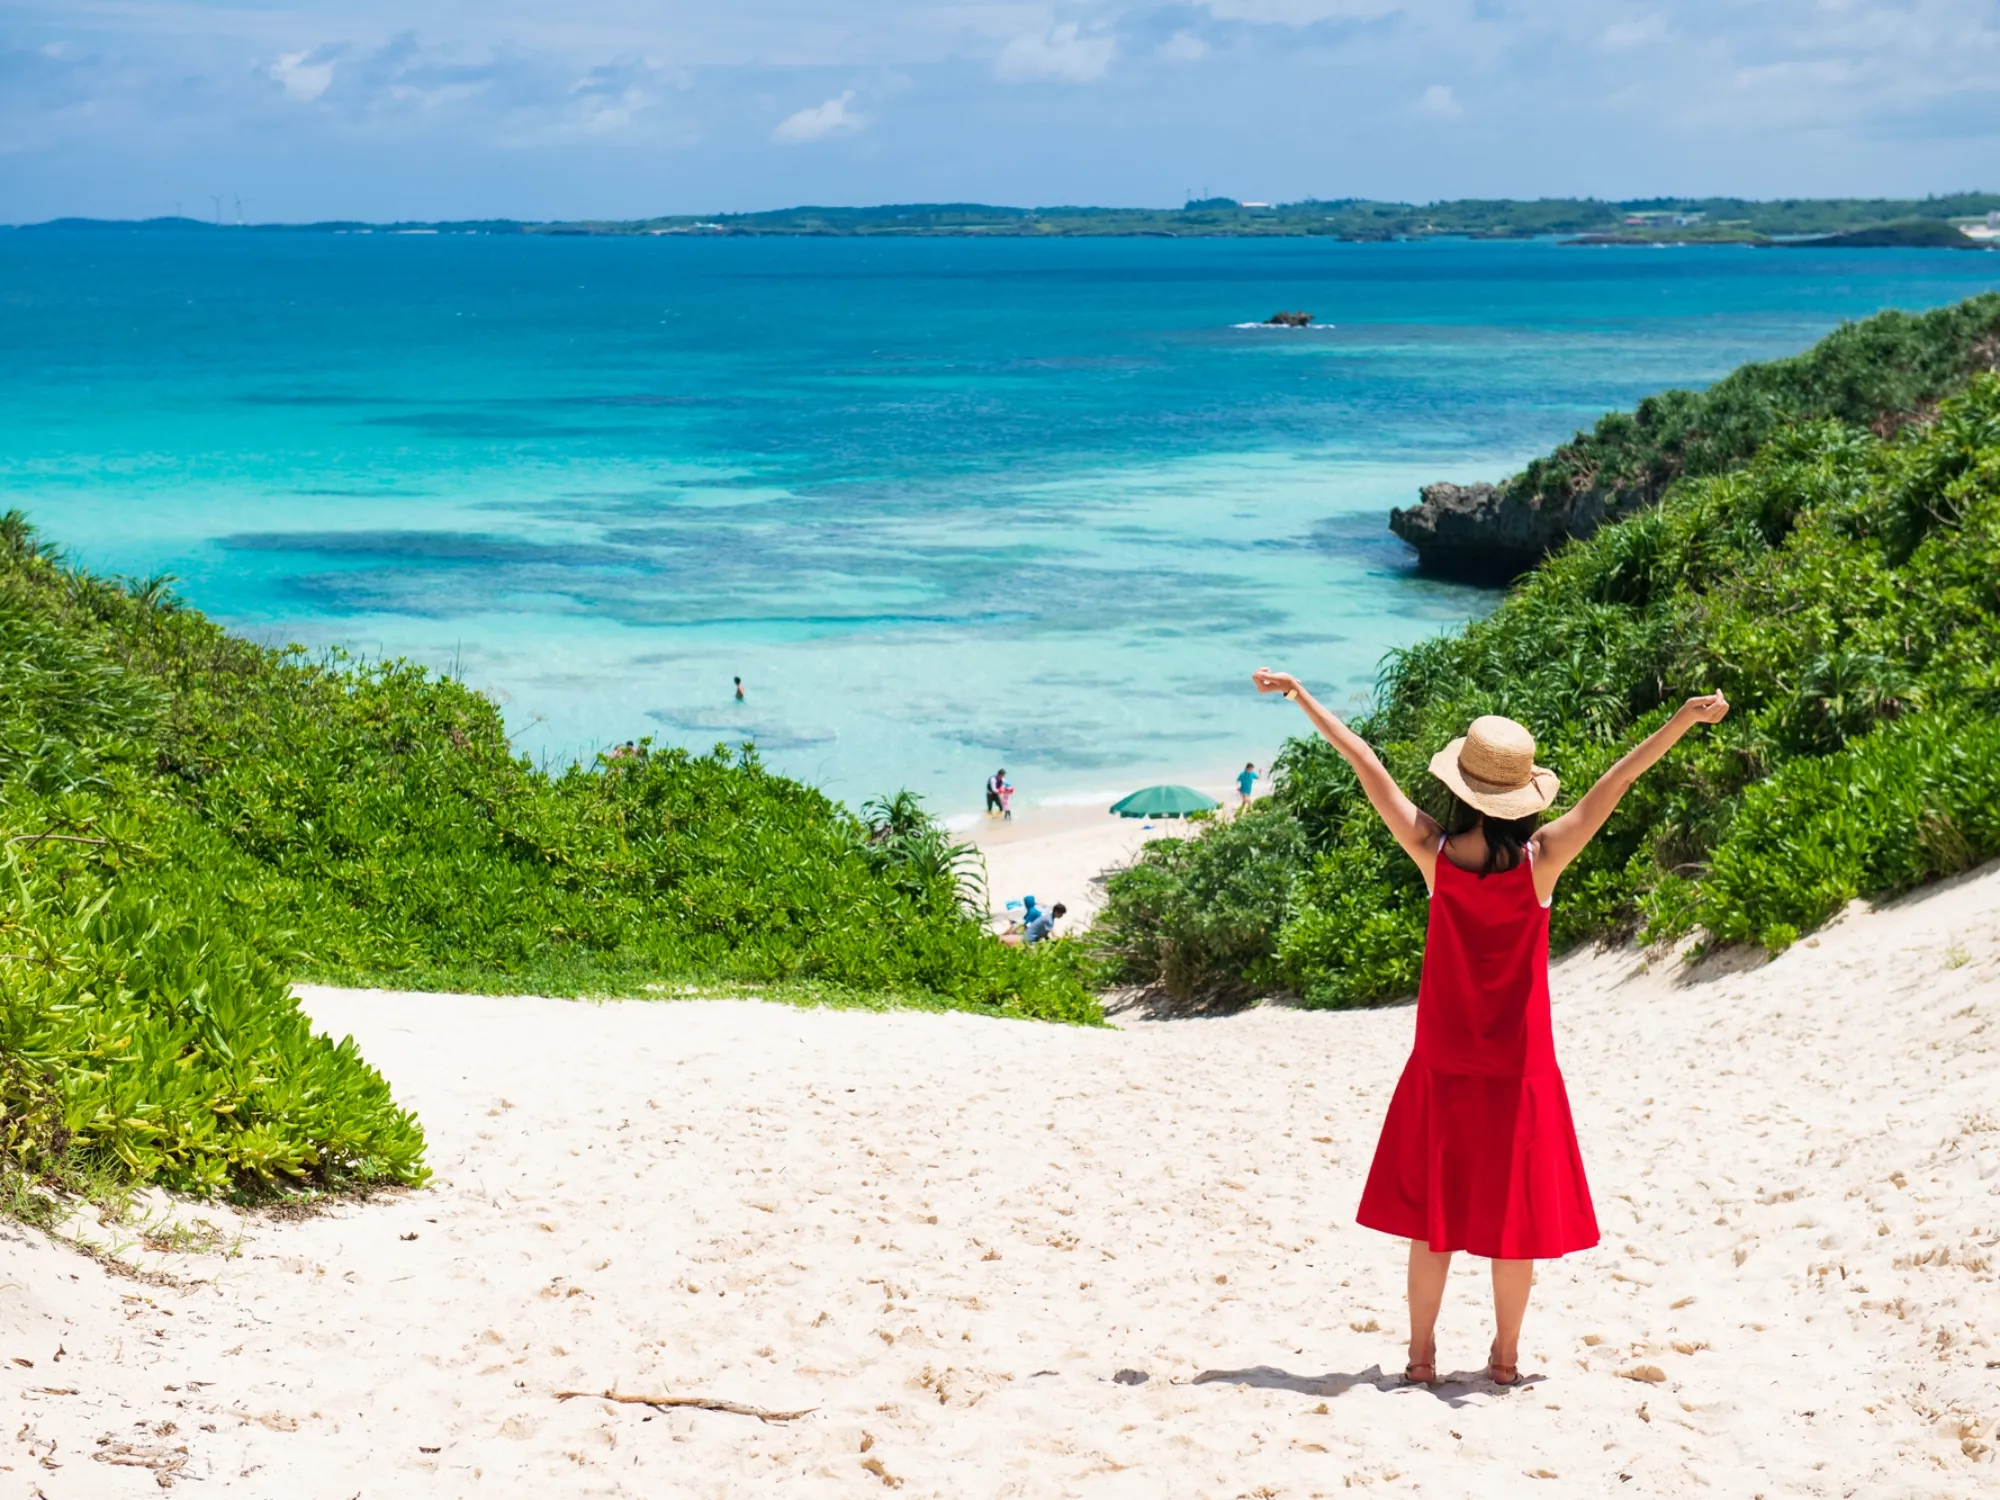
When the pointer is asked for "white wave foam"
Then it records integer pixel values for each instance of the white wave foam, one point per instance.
(1082, 799)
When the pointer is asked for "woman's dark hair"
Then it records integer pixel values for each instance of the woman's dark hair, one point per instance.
(1506, 838)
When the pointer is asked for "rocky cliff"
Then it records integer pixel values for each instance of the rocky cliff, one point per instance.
(1483, 533)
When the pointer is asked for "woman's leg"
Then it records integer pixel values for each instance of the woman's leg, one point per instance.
(1428, 1270)
(1512, 1281)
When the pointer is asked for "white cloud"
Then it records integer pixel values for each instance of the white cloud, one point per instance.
(1628, 34)
(1439, 102)
(324, 106)
(822, 120)
(303, 77)
(612, 99)
(1063, 53)
(1300, 12)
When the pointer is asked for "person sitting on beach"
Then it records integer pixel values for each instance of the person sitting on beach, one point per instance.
(993, 784)
(1042, 923)
(1478, 1152)
(1246, 783)
(1017, 927)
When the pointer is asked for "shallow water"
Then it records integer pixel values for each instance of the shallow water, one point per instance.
(943, 504)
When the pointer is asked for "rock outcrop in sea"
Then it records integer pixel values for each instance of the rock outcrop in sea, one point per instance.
(1484, 533)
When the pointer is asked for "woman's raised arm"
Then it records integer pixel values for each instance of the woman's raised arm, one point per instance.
(1565, 838)
(1416, 830)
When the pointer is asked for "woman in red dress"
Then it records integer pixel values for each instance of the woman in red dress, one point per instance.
(1478, 1152)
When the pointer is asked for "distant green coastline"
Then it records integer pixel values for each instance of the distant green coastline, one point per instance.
(1935, 221)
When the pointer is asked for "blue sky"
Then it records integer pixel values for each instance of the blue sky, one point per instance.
(309, 109)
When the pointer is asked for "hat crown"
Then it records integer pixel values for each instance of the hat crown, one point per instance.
(1498, 752)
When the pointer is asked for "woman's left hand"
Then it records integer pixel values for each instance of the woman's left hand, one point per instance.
(1268, 681)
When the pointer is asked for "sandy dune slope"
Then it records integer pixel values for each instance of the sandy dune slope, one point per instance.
(949, 1237)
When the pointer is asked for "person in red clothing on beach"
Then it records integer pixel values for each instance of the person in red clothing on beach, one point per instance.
(1478, 1152)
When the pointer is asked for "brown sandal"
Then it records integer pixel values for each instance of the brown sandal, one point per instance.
(1428, 1377)
(1499, 1374)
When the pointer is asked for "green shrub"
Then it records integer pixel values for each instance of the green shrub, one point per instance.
(1198, 914)
(1916, 799)
(1361, 898)
(163, 1029)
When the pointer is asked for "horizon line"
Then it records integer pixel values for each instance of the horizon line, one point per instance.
(1216, 204)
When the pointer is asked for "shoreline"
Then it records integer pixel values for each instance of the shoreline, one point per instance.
(1119, 784)
(1060, 851)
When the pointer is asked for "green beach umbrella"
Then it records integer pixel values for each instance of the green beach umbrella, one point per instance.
(1163, 802)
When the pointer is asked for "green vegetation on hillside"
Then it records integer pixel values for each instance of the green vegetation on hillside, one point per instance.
(1902, 234)
(1842, 587)
(1877, 373)
(191, 823)
(1656, 232)
(1729, 220)
(1905, 234)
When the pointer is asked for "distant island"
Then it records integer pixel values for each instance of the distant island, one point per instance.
(1960, 221)
(1901, 234)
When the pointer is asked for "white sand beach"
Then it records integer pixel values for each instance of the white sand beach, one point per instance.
(1002, 1259)
(1061, 853)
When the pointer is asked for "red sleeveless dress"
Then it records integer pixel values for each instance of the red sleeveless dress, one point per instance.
(1478, 1152)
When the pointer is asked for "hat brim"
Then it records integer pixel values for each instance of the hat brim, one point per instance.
(1495, 802)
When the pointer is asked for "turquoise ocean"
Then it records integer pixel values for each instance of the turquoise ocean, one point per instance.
(943, 505)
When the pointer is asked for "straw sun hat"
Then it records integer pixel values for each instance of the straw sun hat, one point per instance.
(1492, 767)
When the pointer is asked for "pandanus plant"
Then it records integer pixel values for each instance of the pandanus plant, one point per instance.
(914, 850)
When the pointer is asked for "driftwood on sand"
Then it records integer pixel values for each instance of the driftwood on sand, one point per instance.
(700, 1403)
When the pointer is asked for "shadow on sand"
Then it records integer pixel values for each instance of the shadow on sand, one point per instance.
(1138, 1003)
(1153, 1003)
(1452, 1388)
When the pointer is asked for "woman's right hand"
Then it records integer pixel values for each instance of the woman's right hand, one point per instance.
(1268, 681)
(1709, 708)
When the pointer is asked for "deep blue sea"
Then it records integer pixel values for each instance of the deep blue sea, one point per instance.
(942, 504)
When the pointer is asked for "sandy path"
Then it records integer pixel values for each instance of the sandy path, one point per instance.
(949, 1235)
